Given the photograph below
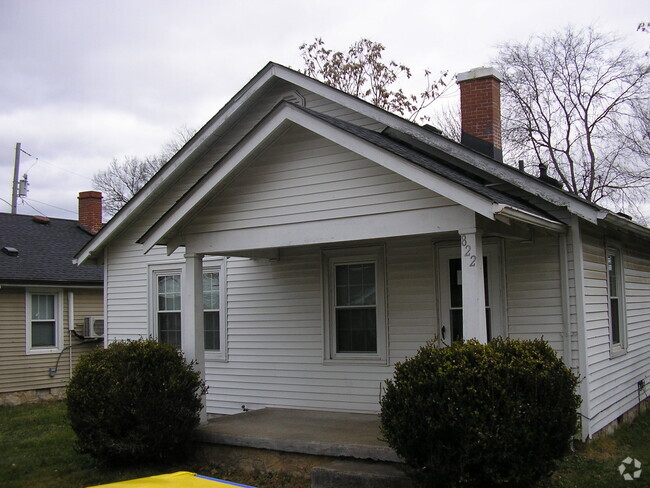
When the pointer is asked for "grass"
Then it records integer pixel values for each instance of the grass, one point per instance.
(36, 450)
(595, 465)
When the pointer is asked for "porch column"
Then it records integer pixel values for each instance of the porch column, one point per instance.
(192, 326)
(471, 251)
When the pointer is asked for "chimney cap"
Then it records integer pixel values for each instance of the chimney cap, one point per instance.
(480, 72)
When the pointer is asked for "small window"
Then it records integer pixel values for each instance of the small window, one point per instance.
(616, 299)
(355, 311)
(43, 321)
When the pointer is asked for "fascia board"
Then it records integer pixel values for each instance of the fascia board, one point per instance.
(152, 188)
(278, 119)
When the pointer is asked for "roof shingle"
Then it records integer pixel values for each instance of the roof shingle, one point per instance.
(45, 252)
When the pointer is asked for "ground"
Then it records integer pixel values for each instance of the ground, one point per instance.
(36, 450)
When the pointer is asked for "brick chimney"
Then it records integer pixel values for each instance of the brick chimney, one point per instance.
(90, 211)
(480, 111)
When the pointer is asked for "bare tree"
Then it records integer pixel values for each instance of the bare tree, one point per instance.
(577, 101)
(121, 180)
(362, 72)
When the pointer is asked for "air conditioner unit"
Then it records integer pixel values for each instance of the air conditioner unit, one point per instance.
(93, 327)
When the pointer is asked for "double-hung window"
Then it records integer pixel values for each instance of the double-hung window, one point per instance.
(167, 312)
(616, 299)
(355, 316)
(211, 306)
(44, 321)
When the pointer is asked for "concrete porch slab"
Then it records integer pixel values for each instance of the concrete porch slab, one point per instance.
(333, 434)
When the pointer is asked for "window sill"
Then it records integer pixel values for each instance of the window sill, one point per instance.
(43, 351)
(216, 356)
(616, 352)
(373, 360)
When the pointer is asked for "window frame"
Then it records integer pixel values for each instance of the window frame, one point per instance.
(58, 321)
(331, 259)
(221, 353)
(209, 266)
(620, 347)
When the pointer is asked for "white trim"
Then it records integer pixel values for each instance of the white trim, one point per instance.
(579, 278)
(348, 229)
(222, 353)
(620, 348)
(156, 271)
(508, 211)
(58, 320)
(331, 258)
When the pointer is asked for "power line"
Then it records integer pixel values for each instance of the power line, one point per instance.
(51, 164)
(35, 209)
(47, 204)
(6, 202)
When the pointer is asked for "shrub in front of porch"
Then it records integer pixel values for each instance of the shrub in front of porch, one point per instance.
(134, 401)
(496, 414)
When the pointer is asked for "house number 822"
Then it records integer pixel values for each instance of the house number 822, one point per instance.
(468, 250)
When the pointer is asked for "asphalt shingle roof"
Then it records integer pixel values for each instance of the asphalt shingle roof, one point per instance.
(45, 252)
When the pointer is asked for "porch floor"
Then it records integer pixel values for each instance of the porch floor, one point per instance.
(332, 434)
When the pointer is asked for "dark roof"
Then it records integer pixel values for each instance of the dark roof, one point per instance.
(45, 251)
(439, 167)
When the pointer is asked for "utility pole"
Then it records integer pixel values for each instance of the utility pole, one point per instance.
(14, 189)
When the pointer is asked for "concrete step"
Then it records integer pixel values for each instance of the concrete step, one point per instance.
(359, 474)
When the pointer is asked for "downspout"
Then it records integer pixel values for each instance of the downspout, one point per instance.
(566, 308)
(70, 328)
(578, 271)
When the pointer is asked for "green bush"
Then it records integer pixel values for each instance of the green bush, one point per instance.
(134, 401)
(496, 414)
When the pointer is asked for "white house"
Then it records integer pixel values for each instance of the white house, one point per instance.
(304, 241)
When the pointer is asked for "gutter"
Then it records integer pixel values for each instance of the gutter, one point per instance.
(623, 223)
(510, 212)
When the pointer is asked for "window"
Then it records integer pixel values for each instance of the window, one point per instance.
(616, 299)
(169, 309)
(355, 311)
(167, 303)
(44, 319)
(211, 311)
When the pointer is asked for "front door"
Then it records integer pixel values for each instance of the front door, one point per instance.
(450, 280)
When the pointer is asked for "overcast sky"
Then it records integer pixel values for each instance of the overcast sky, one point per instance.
(84, 81)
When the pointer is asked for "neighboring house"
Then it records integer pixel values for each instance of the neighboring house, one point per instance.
(45, 300)
(303, 241)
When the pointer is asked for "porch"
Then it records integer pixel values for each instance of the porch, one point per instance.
(332, 448)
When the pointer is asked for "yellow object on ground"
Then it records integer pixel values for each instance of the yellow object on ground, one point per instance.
(181, 479)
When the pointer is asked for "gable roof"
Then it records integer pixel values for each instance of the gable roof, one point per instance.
(438, 177)
(396, 127)
(45, 251)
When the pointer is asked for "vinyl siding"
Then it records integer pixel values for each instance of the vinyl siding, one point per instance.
(613, 377)
(534, 300)
(275, 332)
(20, 371)
(305, 178)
